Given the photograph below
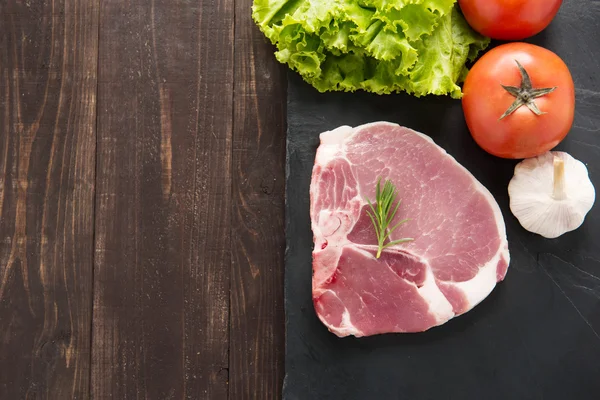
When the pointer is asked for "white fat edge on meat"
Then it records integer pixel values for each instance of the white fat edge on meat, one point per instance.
(332, 143)
(481, 285)
(346, 328)
(439, 306)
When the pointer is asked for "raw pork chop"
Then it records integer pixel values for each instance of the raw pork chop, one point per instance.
(459, 250)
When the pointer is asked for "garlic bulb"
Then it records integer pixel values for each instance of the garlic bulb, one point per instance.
(551, 194)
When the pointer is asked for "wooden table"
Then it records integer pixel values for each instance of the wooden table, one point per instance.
(141, 201)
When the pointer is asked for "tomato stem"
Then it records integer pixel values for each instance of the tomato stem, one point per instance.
(525, 94)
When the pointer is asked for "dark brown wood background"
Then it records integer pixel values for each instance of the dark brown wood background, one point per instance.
(142, 148)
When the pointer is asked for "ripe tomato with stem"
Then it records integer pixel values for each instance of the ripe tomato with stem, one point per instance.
(519, 100)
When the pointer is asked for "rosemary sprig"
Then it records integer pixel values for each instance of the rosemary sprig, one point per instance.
(383, 213)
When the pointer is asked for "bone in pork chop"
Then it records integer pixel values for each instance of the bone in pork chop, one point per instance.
(459, 250)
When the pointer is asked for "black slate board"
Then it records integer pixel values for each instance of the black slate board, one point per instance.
(537, 336)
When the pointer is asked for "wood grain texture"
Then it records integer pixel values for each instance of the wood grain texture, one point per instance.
(48, 60)
(162, 269)
(257, 316)
(188, 208)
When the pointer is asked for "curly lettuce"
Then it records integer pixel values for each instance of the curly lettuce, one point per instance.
(382, 46)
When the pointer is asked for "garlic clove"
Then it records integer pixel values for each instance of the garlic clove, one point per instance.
(551, 194)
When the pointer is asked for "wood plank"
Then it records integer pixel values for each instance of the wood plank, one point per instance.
(163, 200)
(48, 60)
(257, 316)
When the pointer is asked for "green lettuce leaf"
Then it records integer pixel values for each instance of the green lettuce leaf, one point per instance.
(382, 46)
(443, 55)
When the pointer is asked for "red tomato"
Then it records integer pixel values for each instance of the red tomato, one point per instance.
(523, 133)
(509, 19)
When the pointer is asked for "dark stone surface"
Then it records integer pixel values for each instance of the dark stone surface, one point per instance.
(537, 336)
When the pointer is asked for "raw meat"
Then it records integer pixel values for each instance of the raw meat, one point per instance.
(460, 249)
